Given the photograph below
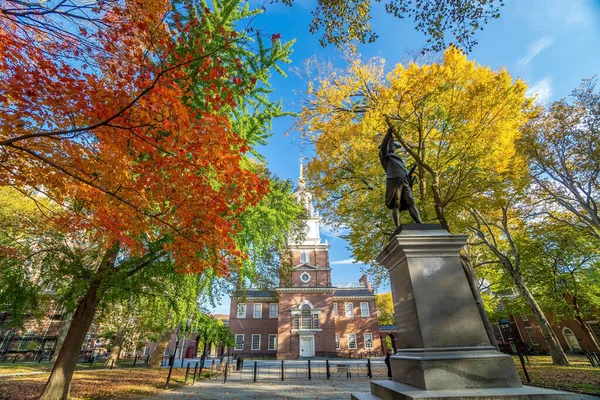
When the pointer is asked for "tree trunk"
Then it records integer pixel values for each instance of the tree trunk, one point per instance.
(157, 356)
(64, 328)
(59, 382)
(470, 274)
(117, 344)
(558, 355)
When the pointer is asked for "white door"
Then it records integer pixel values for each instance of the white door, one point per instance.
(571, 340)
(307, 348)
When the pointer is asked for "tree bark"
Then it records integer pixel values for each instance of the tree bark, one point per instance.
(64, 328)
(585, 327)
(470, 274)
(157, 355)
(558, 355)
(117, 344)
(59, 383)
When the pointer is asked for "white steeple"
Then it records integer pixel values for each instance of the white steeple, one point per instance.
(304, 197)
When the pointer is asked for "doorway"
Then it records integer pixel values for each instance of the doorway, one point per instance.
(571, 340)
(307, 346)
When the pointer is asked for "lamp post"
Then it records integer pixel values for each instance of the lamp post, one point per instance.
(505, 324)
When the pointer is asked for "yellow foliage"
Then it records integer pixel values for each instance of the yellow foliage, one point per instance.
(458, 120)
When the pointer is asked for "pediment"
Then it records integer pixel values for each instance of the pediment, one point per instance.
(305, 266)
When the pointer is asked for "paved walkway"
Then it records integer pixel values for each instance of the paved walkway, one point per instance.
(292, 389)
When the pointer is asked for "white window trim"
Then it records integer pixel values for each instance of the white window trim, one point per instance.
(338, 345)
(524, 317)
(365, 340)
(275, 307)
(236, 342)
(351, 310)
(303, 275)
(239, 315)
(361, 309)
(304, 257)
(335, 310)
(274, 342)
(355, 344)
(254, 309)
(252, 344)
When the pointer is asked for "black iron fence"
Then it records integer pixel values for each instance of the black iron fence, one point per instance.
(248, 370)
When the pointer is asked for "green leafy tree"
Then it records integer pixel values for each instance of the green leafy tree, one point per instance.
(385, 309)
(344, 22)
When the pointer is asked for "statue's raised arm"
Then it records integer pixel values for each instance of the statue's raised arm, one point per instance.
(398, 191)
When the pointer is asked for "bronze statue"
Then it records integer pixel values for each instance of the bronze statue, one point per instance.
(398, 185)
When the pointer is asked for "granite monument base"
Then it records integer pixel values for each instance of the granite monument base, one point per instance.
(390, 390)
(443, 348)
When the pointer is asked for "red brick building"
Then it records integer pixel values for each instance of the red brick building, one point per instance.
(309, 315)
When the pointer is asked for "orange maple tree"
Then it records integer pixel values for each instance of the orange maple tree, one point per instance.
(119, 113)
(99, 123)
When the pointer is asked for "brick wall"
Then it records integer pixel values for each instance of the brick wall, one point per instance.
(248, 326)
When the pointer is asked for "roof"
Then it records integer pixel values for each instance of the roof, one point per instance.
(353, 292)
(255, 293)
(387, 327)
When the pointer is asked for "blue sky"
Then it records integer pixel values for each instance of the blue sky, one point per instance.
(551, 44)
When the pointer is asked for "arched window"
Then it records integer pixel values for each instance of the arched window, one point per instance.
(306, 317)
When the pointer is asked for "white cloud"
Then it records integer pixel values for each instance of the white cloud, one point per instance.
(333, 231)
(542, 90)
(343, 262)
(535, 48)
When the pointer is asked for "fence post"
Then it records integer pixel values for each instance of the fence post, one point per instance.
(135, 360)
(524, 369)
(255, 368)
(147, 358)
(309, 377)
(369, 372)
(225, 375)
(92, 361)
(187, 373)
(327, 368)
(389, 367)
(15, 359)
(201, 367)
(195, 372)
(281, 369)
(169, 375)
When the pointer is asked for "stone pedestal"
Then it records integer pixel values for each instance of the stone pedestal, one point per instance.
(442, 343)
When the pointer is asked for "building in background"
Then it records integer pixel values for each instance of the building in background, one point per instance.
(307, 315)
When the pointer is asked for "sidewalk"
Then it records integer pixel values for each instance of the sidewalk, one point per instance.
(293, 389)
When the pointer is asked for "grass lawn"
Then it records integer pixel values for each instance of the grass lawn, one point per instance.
(95, 384)
(578, 377)
(8, 368)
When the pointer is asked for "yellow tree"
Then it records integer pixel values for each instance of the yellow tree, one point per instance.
(457, 120)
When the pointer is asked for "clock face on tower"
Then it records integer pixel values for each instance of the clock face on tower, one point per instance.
(305, 277)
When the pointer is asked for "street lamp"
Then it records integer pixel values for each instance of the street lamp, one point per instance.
(505, 325)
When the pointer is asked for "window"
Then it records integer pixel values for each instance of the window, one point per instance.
(296, 321)
(524, 317)
(368, 341)
(315, 321)
(306, 317)
(500, 307)
(335, 309)
(241, 310)
(531, 334)
(255, 342)
(84, 346)
(349, 307)
(146, 351)
(304, 257)
(364, 310)
(239, 342)
(305, 277)
(257, 310)
(167, 352)
(337, 341)
(352, 341)
(26, 339)
(272, 342)
(273, 310)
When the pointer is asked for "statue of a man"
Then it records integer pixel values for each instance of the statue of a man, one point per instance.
(398, 185)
